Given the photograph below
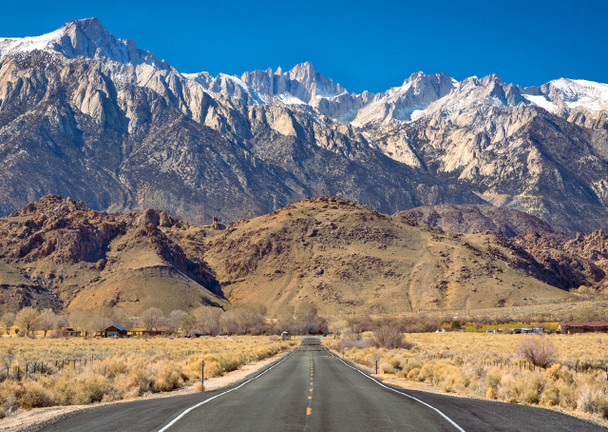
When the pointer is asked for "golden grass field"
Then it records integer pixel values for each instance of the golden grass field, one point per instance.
(487, 366)
(115, 369)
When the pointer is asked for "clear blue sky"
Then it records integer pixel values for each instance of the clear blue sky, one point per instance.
(369, 45)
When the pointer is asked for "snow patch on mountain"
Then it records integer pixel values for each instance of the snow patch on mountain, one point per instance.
(541, 101)
(28, 43)
(83, 38)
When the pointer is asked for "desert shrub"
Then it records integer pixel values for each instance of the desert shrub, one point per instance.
(551, 396)
(228, 364)
(409, 366)
(492, 381)
(532, 389)
(112, 367)
(352, 343)
(421, 324)
(389, 337)
(413, 373)
(509, 388)
(167, 379)
(593, 400)
(553, 372)
(27, 394)
(429, 372)
(385, 367)
(91, 389)
(137, 382)
(454, 380)
(538, 351)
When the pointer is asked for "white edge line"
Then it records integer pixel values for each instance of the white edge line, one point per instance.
(186, 411)
(452, 422)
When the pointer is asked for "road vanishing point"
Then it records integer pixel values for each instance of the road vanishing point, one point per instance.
(312, 389)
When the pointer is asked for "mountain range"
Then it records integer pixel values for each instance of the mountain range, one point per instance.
(87, 115)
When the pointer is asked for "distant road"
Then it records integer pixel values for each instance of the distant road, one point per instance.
(313, 390)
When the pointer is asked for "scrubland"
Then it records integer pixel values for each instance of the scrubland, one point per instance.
(68, 371)
(491, 366)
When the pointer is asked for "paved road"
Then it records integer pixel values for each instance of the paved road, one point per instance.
(313, 390)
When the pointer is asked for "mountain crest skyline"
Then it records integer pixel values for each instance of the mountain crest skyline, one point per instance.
(88, 37)
(96, 118)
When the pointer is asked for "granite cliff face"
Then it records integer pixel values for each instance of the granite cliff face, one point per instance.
(87, 115)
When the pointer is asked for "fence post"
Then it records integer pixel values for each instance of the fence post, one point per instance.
(203, 372)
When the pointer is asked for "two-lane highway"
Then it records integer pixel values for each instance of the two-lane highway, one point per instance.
(313, 390)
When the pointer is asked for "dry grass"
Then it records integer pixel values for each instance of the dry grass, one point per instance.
(108, 370)
(489, 366)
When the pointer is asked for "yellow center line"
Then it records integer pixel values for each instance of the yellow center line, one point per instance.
(308, 411)
(309, 397)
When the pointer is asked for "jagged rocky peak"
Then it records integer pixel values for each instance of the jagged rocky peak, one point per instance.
(317, 84)
(440, 82)
(563, 95)
(228, 87)
(156, 218)
(474, 93)
(83, 38)
(51, 205)
(416, 93)
(301, 84)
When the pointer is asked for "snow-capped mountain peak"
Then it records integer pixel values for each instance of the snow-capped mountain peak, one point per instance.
(401, 103)
(83, 38)
(564, 95)
(302, 82)
(474, 92)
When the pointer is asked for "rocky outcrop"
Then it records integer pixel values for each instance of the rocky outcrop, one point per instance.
(55, 251)
(480, 218)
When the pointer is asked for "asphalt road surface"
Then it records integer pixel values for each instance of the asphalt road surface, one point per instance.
(313, 390)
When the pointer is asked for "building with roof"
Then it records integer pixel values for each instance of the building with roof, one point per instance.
(583, 327)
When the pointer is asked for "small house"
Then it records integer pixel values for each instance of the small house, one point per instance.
(114, 330)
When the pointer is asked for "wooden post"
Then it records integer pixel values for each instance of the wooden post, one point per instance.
(203, 372)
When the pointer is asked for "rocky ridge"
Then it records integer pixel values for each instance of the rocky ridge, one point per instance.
(572, 263)
(336, 254)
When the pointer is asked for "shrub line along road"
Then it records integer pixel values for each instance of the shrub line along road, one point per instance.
(311, 389)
